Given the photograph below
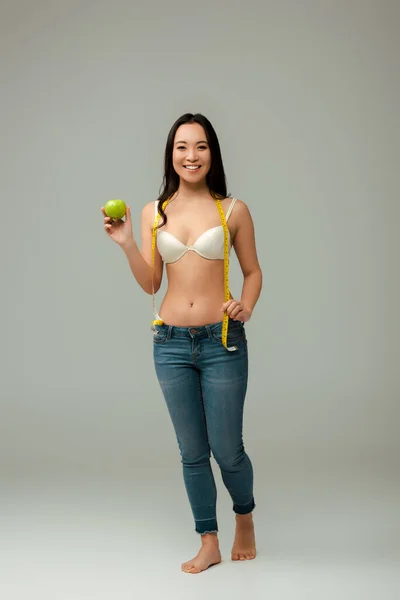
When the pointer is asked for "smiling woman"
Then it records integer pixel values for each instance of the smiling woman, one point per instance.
(193, 155)
(199, 343)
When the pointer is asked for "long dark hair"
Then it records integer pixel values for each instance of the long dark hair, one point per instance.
(215, 177)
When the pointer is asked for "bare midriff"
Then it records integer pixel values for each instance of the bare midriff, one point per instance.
(195, 292)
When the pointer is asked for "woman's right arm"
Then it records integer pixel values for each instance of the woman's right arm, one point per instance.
(140, 262)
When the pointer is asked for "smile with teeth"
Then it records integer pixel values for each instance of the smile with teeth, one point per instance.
(192, 167)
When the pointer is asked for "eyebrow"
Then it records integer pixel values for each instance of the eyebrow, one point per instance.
(183, 142)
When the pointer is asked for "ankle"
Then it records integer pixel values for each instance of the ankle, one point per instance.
(244, 519)
(209, 538)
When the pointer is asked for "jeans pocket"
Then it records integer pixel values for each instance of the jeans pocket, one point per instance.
(236, 333)
(159, 335)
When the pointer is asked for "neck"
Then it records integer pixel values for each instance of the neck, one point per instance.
(193, 191)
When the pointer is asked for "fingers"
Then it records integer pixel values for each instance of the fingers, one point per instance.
(234, 309)
(107, 221)
(104, 212)
(226, 305)
(230, 305)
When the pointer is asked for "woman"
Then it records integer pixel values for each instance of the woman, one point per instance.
(203, 379)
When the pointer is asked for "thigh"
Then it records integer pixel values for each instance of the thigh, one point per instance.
(224, 379)
(181, 388)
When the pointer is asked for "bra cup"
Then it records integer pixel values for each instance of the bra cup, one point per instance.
(209, 245)
(169, 247)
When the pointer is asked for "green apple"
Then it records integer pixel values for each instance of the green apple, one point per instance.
(115, 209)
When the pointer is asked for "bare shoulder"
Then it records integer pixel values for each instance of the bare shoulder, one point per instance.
(148, 212)
(240, 208)
(240, 215)
(149, 207)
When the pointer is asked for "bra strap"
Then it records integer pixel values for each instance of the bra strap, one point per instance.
(232, 204)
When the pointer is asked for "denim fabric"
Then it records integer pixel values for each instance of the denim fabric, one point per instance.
(204, 386)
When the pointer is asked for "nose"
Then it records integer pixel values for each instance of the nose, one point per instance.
(192, 155)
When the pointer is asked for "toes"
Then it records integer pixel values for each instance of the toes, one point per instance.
(190, 568)
(243, 555)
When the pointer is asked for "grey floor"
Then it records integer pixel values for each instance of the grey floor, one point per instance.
(320, 534)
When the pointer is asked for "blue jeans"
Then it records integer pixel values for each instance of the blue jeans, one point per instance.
(204, 386)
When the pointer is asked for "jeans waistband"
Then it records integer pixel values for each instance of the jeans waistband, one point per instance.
(198, 331)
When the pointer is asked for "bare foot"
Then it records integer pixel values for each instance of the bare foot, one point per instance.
(208, 555)
(244, 545)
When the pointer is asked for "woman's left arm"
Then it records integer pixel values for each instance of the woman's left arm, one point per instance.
(245, 248)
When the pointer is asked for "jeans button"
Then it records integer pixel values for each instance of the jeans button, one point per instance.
(192, 331)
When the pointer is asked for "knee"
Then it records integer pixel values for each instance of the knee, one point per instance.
(193, 457)
(229, 459)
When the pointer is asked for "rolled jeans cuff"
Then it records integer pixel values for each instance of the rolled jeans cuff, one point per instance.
(244, 509)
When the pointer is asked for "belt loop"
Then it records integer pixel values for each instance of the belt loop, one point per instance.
(208, 329)
(169, 332)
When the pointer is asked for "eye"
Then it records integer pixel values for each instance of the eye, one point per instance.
(199, 147)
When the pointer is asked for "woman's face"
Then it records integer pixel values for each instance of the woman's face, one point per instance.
(191, 149)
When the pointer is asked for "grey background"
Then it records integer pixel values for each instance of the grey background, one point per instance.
(304, 97)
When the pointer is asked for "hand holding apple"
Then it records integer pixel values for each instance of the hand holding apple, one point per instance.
(118, 230)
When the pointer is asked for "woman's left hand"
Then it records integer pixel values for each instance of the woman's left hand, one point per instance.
(236, 310)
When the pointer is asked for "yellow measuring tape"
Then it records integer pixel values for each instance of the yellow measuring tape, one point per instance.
(227, 294)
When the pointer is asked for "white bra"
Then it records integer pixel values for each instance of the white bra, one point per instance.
(209, 245)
